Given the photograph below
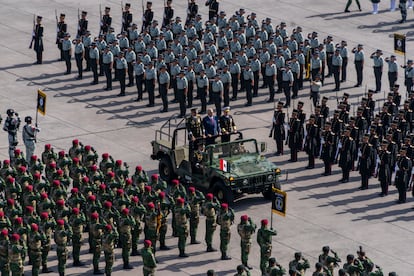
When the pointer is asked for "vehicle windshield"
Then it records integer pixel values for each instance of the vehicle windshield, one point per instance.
(233, 150)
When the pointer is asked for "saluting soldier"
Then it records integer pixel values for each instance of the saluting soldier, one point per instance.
(106, 21)
(61, 31)
(210, 207)
(16, 252)
(246, 229)
(148, 259)
(378, 65)
(225, 219)
(82, 25)
(278, 128)
(109, 238)
(329, 261)
(383, 168)
(311, 141)
(62, 237)
(293, 139)
(409, 75)
(126, 18)
(264, 239)
(195, 129)
(37, 38)
(164, 209)
(150, 229)
(392, 70)
(327, 151)
(359, 63)
(299, 264)
(147, 17)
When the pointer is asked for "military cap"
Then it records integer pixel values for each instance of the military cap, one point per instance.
(4, 232)
(92, 44)
(191, 189)
(18, 220)
(94, 216)
(392, 274)
(120, 191)
(60, 222)
(108, 8)
(328, 123)
(17, 151)
(366, 135)
(108, 227)
(240, 268)
(10, 201)
(44, 195)
(107, 204)
(151, 205)
(294, 111)
(29, 188)
(60, 202)
(149, 3)
(128, 5)
(10, 179)
(180, 201)
(280, 103)
(298, 254)
(226, 108)
(161, 195)
(1, 214)
(135, 199)
(209, 196)
(147, 188)
(342, 272)
(92, 198)
(84, 12)
(244, 218)
(128, 181)
(75, 211)
(23, 169)
(29, 209)
(125, 211)
(264, 222)
(34, 227)
(147, 243)
(325, 248)
(175, 182)
(337, 49)
(15, 237)
(410, 61)
(39, 17)
(346, 95)
(211, 272)
(62, 15)
(224, 205)
(300, 103)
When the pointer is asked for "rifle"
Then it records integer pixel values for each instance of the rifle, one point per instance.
(79, 26)
(122, 16)
(143, 16)
(57, 26)
(33, 32)
(101, 19)
(159, 217)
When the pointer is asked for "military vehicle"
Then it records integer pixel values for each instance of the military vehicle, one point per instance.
(228, 170)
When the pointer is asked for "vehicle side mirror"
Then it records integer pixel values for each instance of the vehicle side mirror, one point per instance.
(263, 147)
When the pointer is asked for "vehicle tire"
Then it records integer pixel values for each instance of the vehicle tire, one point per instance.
(166, 170)
(223, 193)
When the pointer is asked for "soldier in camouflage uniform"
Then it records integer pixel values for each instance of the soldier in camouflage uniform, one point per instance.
(35, 241)
(275, 269)
(4, 222)
(125, 223)
(242, 271)
(140, 178)
(299, 263)
(62, 237)
(327, 260)
(77, 221)
(150, 229)
(95, 231)
(164, 209)
(4, 252)
(195, 199)
(225, 219)
(246, 229)
(148, 259)
(16, 253)
(109, 238)
(138, 212)
(210, 208)
(22, 230)
(182, 214)
(264, 239)
(47, 225)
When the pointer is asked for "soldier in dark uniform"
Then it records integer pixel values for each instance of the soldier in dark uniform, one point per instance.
(82, 25)
(365, 161)
(61, 30)
(195, 130)
(393, 149)
(168, 14)
(278, 128)
(227, 125)
(374, 141)
(327, 152)
(346, 149)
(126, 18)
(302, 118)
(213, 8)
(408, 114)
(293, 138)
(324, 107)
(106, 21)
(37, 38)
(311, 143)
(192, 11)
(147, 16)
(384, 170)
(402, 176)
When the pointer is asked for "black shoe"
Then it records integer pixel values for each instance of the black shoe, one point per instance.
(255, 95)
(128, 266)
(97, 272)
(120, 95)
(183, 255)
(158, 96)
(401, 21)
(134, 253)
(248, 266)
(87, 70)
(130, 84)
(211, 249)
(381, 195)
(233, 99)
(163, 247)
(225, 258)
(310, 167)
(78, 263)
(174, 101)
(66, 73)
(346, 11)
(336, 89)
(46, 270)
(345, 181)
(343, 80)
(286, 106)
(164, 110)
(357, 85)
(149, 105)
(270, 101)
(195, 242)
(101, 74)
(248, 104)
(196, 98)
(78, 78)
(94, 82)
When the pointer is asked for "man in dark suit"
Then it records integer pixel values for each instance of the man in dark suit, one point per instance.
(211, 127)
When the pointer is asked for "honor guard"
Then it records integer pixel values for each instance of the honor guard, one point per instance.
(278, 128)
(37, 38)
(346, 146)
(192, 11)
(392, 70)
(106, 21)
(311, 141)
(126, 18)
(402, 176)
(82, 25)
(293, 139)
(365, 154)
(61, 31)
(264, 239)
(213, 8)
(168, 14)
(147, 17)
(383, 168)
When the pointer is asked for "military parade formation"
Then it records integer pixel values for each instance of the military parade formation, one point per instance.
(64, 195)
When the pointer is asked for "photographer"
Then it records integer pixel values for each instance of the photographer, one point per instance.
(29, 137)
(11, 125)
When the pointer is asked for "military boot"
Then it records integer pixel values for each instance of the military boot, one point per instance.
(194, 241)
(225, 257)
(211, 249)
(128, 266)
(46, 270)
(182, 254)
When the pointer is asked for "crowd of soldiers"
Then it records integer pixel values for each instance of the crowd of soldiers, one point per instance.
(52, 200)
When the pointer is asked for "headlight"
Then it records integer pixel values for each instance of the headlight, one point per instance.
(277, 171)
(245, 181)
(270, 177)
(231, 178)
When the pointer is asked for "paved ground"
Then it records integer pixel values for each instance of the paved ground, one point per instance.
(320, 210)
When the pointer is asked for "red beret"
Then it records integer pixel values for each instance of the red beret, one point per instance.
(108, 227)
(75, 142)
(118, 162)
(15, 237)
(111, 174)
(244, 218)
(108, 204)
(151, 205)
(29, 188)
(60, 202)
(147, 243)
(10, 201)
(75, 211)
(224, 205)
(37, 176)
(75, 160)
(34, 227)
(22, 169)
(34, 157)
(43, 195)
(95, 216)
(94, 168)
(175, 182)
(148, 188)
(52, 165)
(6, 162)
(60, 222)
(60, 172)
(128, 181)
(161, 195)
(102, 186)
(44, 215)
(1, 214)
(61, 153)
(125, 211)
(92, 198)
(265, 222)
(135, 199)
(29, 209)
(154, 176)
(56, 182)
(120, 191)
(209, 196)
(17, 151)
(191, 189)
(5, 232)
(10, 179)
(138, 168)
(105, 155)
(74, 190)
(18, 220)
(87, 148)
(180, 200)
(85, 179)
